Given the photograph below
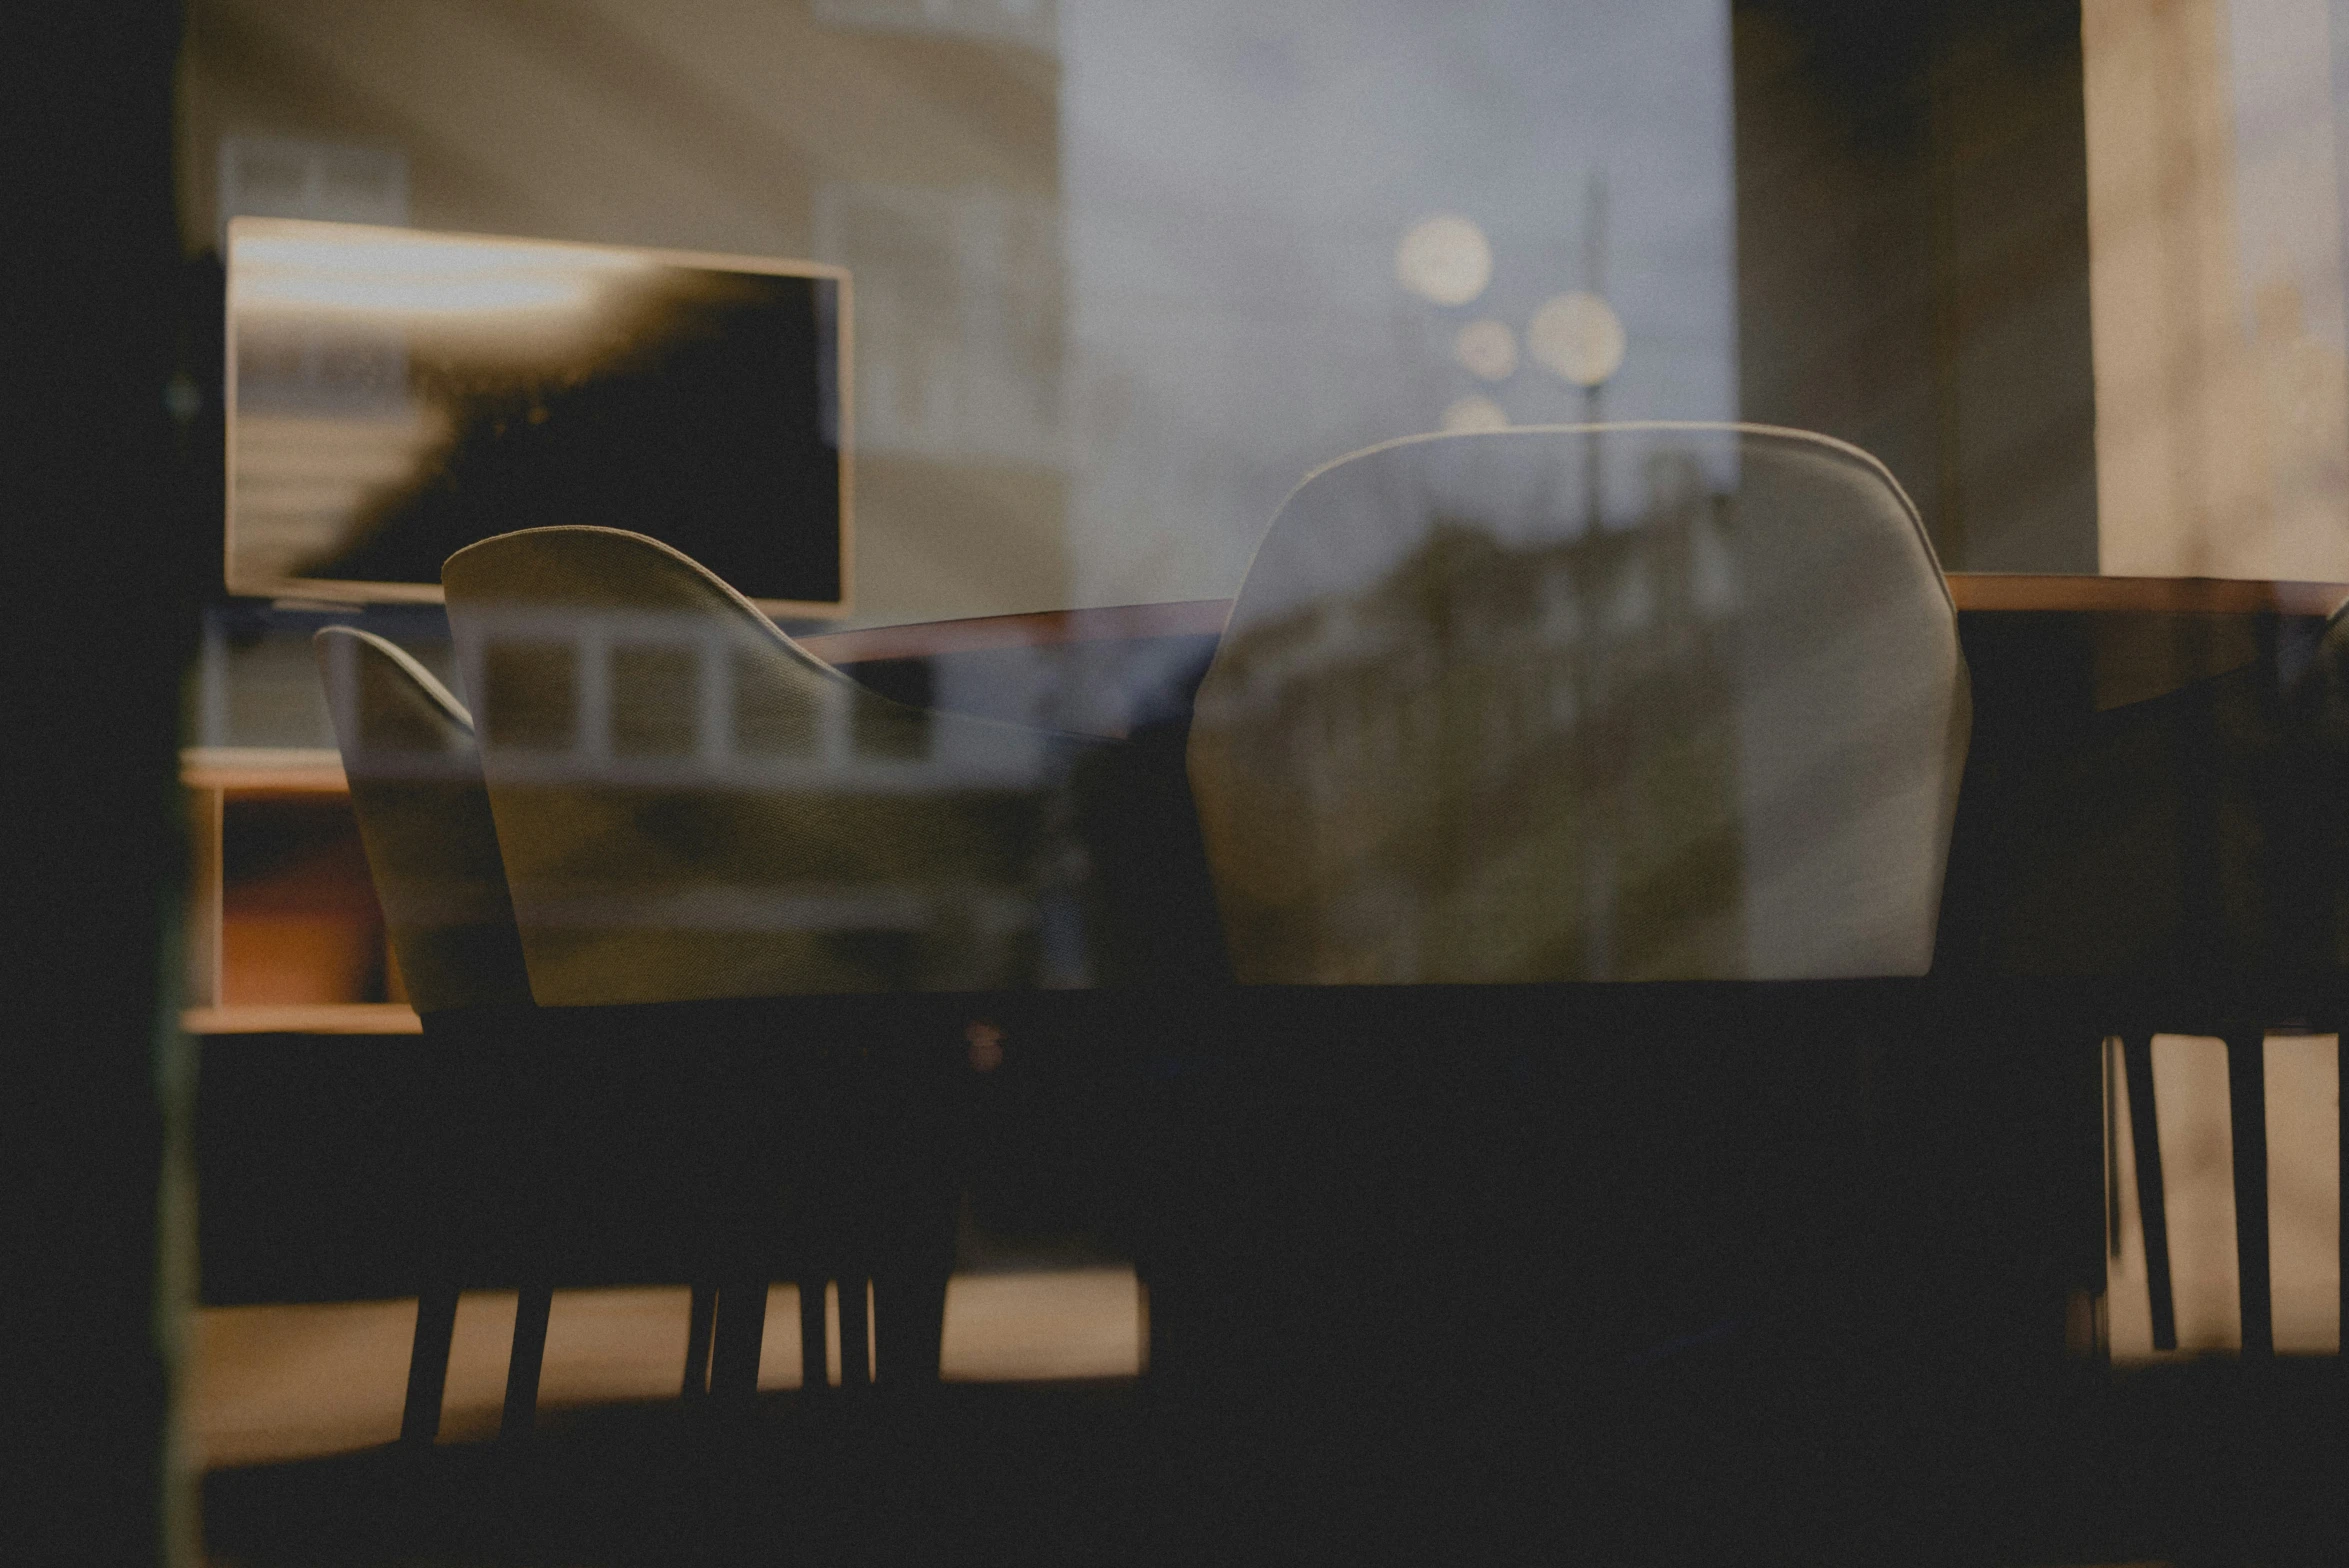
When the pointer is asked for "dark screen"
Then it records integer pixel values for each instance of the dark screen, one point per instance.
(694, 404)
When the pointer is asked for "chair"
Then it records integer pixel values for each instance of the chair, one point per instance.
(1710, 674)
(415, 781)
(2285, 956)
(415, 777)
(714, 838)
(1502, 723)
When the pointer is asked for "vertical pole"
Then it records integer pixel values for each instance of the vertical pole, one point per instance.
(1594, 272)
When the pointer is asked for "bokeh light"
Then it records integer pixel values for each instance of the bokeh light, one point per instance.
(1488, 348)
(1579, 336)
(1447, 259)
(1475, 413)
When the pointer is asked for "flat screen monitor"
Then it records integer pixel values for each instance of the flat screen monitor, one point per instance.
(394, 395)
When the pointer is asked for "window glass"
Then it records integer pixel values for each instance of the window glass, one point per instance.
(1124, 274)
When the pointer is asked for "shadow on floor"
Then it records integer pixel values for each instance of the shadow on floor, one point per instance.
(2189, 1465)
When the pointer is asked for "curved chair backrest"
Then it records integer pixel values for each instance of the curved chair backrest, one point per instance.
(415, 778)
(694, 807)
(1634, 702)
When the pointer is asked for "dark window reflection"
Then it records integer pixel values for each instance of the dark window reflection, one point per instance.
(529, 695)
(656, 696)
(771, 720)
(895, 735)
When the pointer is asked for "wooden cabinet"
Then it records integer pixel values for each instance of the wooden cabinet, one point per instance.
(284, 933)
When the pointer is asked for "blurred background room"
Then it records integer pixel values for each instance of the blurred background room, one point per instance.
(1123, 276)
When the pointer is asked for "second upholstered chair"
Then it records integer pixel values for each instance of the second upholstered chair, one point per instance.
(414, 770)
(1501, 721)
(415, 779)
(1634, 702)
(727, 852)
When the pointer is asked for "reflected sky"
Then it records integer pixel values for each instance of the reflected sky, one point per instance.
(1466, 727)
(1245, 183)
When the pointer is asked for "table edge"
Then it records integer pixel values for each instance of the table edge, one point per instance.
(2143, 595)
(1031, 629)
(1970, 591)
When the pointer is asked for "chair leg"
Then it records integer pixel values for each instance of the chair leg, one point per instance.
(701, 1316)
(428, 1365)
(2247, 1111)
(734, 1352)
(909, 1322)
(813, 1358)
(2115, 1090)
(2145, 1139)
(530, 1316)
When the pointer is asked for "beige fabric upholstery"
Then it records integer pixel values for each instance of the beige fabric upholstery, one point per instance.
(415, 778)
(1637, 702)
(693, 807)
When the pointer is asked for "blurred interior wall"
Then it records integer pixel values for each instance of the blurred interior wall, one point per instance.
(916, 144)
(1912, 258)
(1124, 273)
(2215, 223)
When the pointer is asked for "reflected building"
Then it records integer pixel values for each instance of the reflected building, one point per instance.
(1472, 722)
(1469, 745)
(688, 806)
(917, 144)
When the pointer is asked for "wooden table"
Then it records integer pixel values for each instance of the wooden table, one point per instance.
(2137, 835)
(2069, 676)
(1205, 617)
(2109, 713)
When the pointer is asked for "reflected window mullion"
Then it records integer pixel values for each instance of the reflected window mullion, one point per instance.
(591, 669)
(714, 684)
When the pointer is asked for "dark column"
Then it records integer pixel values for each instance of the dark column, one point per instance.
(104, 569)
(1912, 242)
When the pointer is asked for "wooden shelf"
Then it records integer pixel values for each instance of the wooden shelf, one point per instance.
(279, 790)
(319, 1018)
(263, 768)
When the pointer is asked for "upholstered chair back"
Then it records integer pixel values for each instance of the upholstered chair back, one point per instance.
(432, 849)
(1631, 702)
(693, 807)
